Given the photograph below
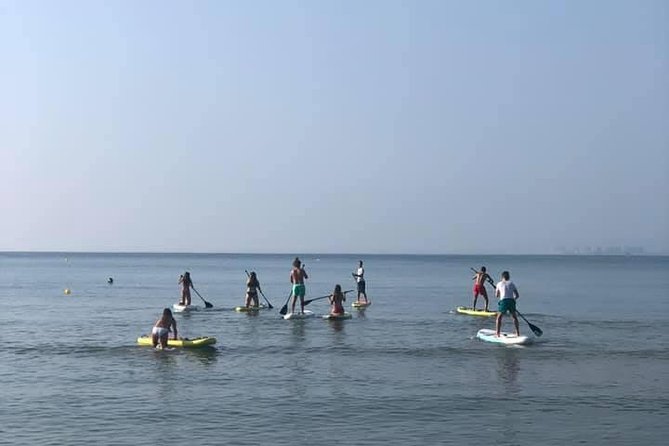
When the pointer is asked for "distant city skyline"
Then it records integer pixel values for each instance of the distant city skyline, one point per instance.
(431, 127)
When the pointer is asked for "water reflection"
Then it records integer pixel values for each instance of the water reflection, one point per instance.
(297, 330)
(207, 355)
(508, 367)
(337, 328)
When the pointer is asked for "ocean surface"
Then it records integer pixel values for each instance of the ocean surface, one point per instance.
(407, 371)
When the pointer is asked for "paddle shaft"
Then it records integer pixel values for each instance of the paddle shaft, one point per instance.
(307, 302)
(536, 330)
(206, 304)
(490, 281)
(269, 305)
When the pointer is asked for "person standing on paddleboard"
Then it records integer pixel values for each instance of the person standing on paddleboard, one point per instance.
(359, 276)
(162, 327)
(186, 284)
(507, 293)
(479, 287)
(337, 299)
(252, 288)
(297, 276)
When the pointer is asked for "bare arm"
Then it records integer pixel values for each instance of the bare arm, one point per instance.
(174, 327)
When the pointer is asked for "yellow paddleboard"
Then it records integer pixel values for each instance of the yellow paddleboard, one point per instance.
(472, 312)
(183, 342)
(249, 309)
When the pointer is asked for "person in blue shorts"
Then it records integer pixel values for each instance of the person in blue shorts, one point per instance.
(359, 277)
(507, 293)
(297, 277)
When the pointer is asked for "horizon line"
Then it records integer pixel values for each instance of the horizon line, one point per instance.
(621, 254)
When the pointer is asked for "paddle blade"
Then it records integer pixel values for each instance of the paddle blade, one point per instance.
(283, 310)
(536, 330)
(207, 304)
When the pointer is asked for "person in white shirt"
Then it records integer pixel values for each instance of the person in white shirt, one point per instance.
(359, 276)
(507, 293)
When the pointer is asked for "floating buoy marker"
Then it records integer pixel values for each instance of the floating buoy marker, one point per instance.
(67, 291)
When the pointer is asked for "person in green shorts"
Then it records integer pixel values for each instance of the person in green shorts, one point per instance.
(507, 293)
(297, 276)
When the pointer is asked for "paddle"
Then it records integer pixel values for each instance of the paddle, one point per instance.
(536, 330)
(307, 302)
(490, 281)
(206, 304)
(284, 309)
(269, 305)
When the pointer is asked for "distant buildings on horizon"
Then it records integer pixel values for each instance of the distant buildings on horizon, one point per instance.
(603, 251)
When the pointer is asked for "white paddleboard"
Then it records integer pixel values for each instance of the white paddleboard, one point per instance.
(307, 314)
(178, 308)
(488, 335)
(337, 317)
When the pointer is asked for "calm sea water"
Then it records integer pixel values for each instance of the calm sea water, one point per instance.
(406, 371)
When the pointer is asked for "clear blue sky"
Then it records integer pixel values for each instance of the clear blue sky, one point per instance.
(334, 126)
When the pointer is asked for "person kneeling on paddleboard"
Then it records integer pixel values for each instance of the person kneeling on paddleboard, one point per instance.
(337, 299)
(162, 327)
(507, 293)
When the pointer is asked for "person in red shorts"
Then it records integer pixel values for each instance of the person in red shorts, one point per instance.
(479, 287)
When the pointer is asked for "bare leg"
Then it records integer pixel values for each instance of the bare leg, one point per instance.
(515, 323)
(163, 341)
(486, 302)
(188, 297)
(498, 324)
(292, 307)
(476, 296)
(302, 303)
(154, 340)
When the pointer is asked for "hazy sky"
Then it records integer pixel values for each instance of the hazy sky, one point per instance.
(334, 126)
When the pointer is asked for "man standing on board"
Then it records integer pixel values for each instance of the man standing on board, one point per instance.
(297, 276)
(479, 287)
(507, 293)
(359, 276)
